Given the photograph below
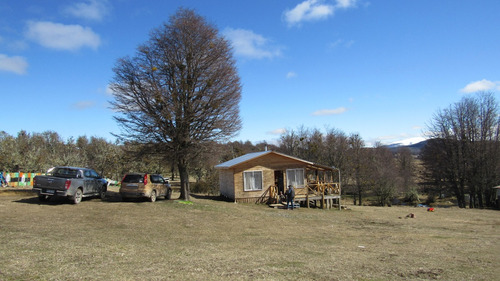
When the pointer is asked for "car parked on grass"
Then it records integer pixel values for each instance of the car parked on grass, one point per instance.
(73, 183)
(144, 185)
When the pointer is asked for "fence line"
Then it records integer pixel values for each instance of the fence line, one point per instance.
(20, 179)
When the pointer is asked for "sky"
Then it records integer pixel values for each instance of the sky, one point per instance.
(380, 69)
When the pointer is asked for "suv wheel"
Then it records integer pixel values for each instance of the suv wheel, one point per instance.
(153, 196)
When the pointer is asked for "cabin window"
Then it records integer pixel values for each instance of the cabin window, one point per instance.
(252, 180)
(295, 177)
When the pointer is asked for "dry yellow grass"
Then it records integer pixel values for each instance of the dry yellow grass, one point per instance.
(215, 240)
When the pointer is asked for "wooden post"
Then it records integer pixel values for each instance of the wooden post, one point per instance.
(322, 200)
(340, 193)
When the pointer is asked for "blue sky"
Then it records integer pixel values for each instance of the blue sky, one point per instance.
(377, 68)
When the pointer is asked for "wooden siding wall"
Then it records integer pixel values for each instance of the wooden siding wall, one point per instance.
(267, 164)
(226, 182)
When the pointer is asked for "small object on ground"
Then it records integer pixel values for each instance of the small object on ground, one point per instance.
(411, 215)
(185, 202)
(430, 209)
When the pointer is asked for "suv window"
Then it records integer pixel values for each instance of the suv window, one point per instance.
(133, 178)
(157, 179)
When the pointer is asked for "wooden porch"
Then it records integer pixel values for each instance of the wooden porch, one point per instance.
(324, 195)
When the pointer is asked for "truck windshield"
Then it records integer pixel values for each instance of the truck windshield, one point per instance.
(64, 172)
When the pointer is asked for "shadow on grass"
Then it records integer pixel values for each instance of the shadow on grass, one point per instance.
(211, 197)
(111, 197)
(51, 201)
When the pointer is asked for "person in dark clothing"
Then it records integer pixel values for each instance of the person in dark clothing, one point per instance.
(290, 195)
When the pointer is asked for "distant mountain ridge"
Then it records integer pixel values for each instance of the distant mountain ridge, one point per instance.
(415, 148)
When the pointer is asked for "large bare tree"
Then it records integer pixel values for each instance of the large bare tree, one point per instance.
(179, 92)
(464, 150)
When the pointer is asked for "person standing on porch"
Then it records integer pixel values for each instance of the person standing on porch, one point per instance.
(290, 195)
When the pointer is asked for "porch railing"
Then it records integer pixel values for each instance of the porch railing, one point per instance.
(312, 190)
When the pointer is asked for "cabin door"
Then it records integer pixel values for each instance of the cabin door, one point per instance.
(279, 181)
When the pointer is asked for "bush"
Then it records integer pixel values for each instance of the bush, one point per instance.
(431, 198)
(204, 187)
(200, 187)
(412, 196)
(209, 185)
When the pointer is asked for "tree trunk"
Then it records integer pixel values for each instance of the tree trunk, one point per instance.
(480, 196)
(172, 170)
(459, 192)
(359, 195)
(184, 176)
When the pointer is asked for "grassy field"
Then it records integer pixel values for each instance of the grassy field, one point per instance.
(216, 240)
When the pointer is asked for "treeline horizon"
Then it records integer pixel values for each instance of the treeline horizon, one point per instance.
(462, 156)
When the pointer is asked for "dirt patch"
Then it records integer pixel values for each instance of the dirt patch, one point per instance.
(9, 191)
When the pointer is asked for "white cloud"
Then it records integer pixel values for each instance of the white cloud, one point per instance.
(346, 3)
(342, 43)
(89, 10)
(109, 91)
(15, 64)
(14, 45)
(336, 43)
(279, 131)
(335, 111)
(81, 105)
(246, 43)
(62, 37)
(308, 10)
(311, 10)
(483, 85)
(291, 75)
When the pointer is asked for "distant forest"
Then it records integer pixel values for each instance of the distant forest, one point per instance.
(384, 174)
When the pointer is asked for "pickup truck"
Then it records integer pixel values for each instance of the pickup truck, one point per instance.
(71, 182)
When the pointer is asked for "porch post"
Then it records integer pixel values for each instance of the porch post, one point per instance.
(340, 189)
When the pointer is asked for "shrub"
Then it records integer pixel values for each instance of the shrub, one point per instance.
(412, 196)
(431, 198)
(209, 185)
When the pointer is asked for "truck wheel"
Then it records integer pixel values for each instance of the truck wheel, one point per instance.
(102, 194)
(153, 196)
(169, 194)
(77, 198)
(43, 198)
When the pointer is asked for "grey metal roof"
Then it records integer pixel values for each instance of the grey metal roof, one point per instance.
(251, 156)
(241, 159)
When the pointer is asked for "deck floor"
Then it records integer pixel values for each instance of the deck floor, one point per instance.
(316, 197)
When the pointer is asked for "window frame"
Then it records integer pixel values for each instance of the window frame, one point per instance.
(303, 179)
(245, 188)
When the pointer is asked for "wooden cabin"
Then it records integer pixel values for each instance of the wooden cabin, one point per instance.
(263, 176)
